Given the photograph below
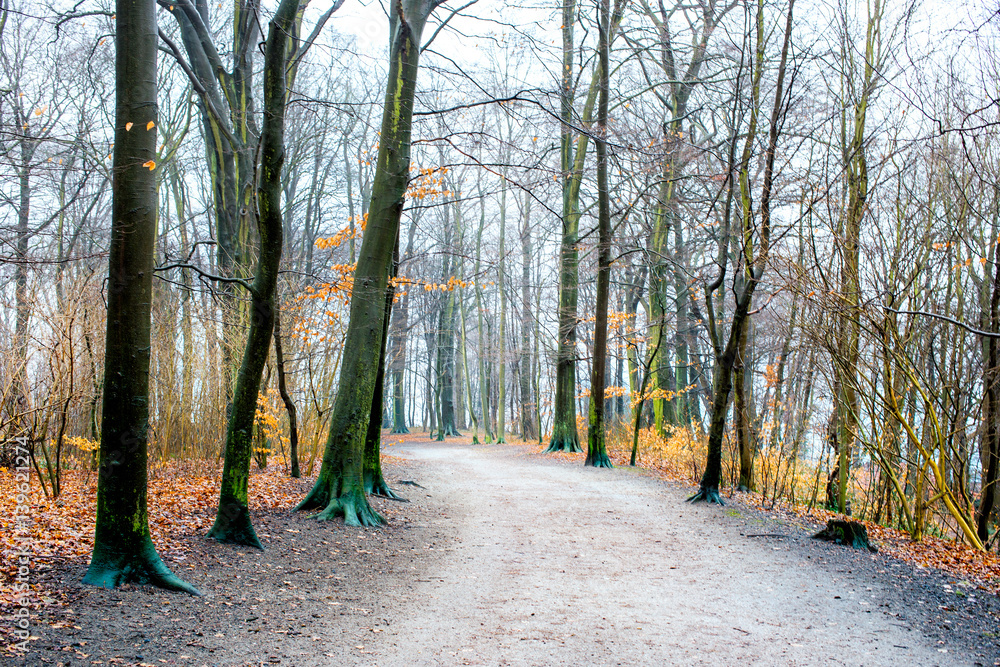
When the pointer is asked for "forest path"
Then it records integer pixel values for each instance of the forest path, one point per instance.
(549, 563)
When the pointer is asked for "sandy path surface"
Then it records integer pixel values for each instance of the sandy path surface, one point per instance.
(546, 563)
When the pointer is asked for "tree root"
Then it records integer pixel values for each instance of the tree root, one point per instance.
(600, 461)
(401, 431)
(318, 497)
(110, 568)
(563, 444)
(381, 489)
(233, 526)
(354, 507)
(710, 496)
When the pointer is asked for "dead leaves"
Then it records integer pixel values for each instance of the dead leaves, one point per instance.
(182, 501)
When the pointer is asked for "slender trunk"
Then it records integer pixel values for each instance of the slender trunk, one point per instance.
(293, 428)
(483, 377)
(529, 428)
(754, 266)
(597, 455)
(232, 523)
(502, 349)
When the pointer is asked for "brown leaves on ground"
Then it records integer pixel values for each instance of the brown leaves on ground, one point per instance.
(182, 501)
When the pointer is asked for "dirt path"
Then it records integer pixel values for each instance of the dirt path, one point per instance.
(552, 564)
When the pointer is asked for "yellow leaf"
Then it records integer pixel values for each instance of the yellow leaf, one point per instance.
(128, 127)
(149, 165)
(150, 125)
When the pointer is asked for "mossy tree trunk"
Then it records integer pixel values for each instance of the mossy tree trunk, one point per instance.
(597, 455)
(565, 437)
(564, 434)
(123, 550)
(854, 148)
(232, 522)
(339, 490)
(753, 264)
(742, 408)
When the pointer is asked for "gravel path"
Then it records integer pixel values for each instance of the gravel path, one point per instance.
(556, 564)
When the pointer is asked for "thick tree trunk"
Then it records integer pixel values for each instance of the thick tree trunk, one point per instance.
(564, 434)
(339, 490)
(375, 483)
(123, 551)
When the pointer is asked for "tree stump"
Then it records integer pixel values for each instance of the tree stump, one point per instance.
(850, 533)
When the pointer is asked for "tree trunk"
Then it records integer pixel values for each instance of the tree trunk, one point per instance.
(232, 523)
(502, 349)
(339, 490)
(375, 483)
(529, 427)
(484, 383)
(123, 551)
(597, 454)
(753, 266)
(293, 428)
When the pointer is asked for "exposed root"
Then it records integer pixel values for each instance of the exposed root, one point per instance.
(110, 568)
(399, 431)
(233, 526)
(709, 495)
(318, 497)
(354, 507)
(600, 461)
(563, 444)
(381, 489)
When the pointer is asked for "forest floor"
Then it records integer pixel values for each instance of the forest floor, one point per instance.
(508, 557)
